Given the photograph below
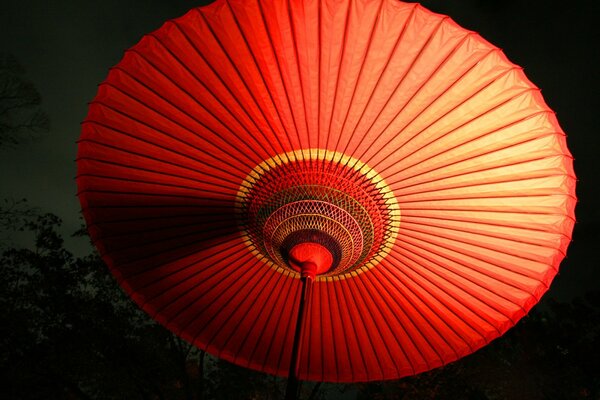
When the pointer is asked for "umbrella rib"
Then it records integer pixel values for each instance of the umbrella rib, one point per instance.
(457, 299)
(347, 297)
(533, 212)
(294, 41)
(360, 72)
(333, 302)
(123, 265)
(508, 178)
(146, 229)
(425, 81)
(470, 97)
(403, 195)
(383, 70)
(462, 125)
(486, 234)
(168, 116)
(484, 153)
(189, 95)
(194, 288)
(403, 277)
(218, 191)
(138, 206)
(128, 151)
(367, 50)
(401, 309)
(137, 193)
(250, 92)
(157, 217)
(210, 91)
(521, 196)
(291, 318)
(440, 95)
(223, 231)
(344, 311)
(333, 333)
(308, 333)
(172, 300)
(282, 296)
(344, 40)
(484, 169)
(318, 94)
(479, 246)
(236, 308)
(499, 225)
(363, 290)
(155, 229)
(206, 305)
(224, 85)
(180, 269)
(405, 74)
(179, 141)
(263, 310)
(473, 158)
(158, 310)
(130, 275)
(163, 172)
(263, 80)
(207, 87)
(277, 62)
(462, 276)
(322, 335)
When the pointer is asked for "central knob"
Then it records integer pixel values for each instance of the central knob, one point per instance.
(310, 258)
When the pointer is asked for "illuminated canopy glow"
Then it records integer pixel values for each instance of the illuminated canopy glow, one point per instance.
(409, 160)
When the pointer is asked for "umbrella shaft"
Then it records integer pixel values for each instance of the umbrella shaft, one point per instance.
(292, 385)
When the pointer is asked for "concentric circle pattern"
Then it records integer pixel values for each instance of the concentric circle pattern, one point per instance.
(346, 208)
(421, 166)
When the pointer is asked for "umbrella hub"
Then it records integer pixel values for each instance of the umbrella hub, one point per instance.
(325, 209)
(310, 259)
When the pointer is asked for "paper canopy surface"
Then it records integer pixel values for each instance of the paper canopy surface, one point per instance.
(430, 180)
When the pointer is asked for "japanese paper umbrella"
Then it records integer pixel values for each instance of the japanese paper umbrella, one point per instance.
(364, 176)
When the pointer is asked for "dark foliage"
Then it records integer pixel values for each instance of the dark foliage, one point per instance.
(20, 114)
(68, 331)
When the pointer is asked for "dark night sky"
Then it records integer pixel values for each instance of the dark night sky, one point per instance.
(67, 47)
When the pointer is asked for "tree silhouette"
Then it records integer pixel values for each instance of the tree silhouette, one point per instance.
(20, 112)
(69, 331)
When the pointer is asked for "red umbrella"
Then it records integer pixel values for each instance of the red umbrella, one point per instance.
(410, 173)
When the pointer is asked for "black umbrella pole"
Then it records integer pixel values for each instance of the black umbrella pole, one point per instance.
(291, 392)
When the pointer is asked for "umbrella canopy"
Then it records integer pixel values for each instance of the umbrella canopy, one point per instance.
(399, 160)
